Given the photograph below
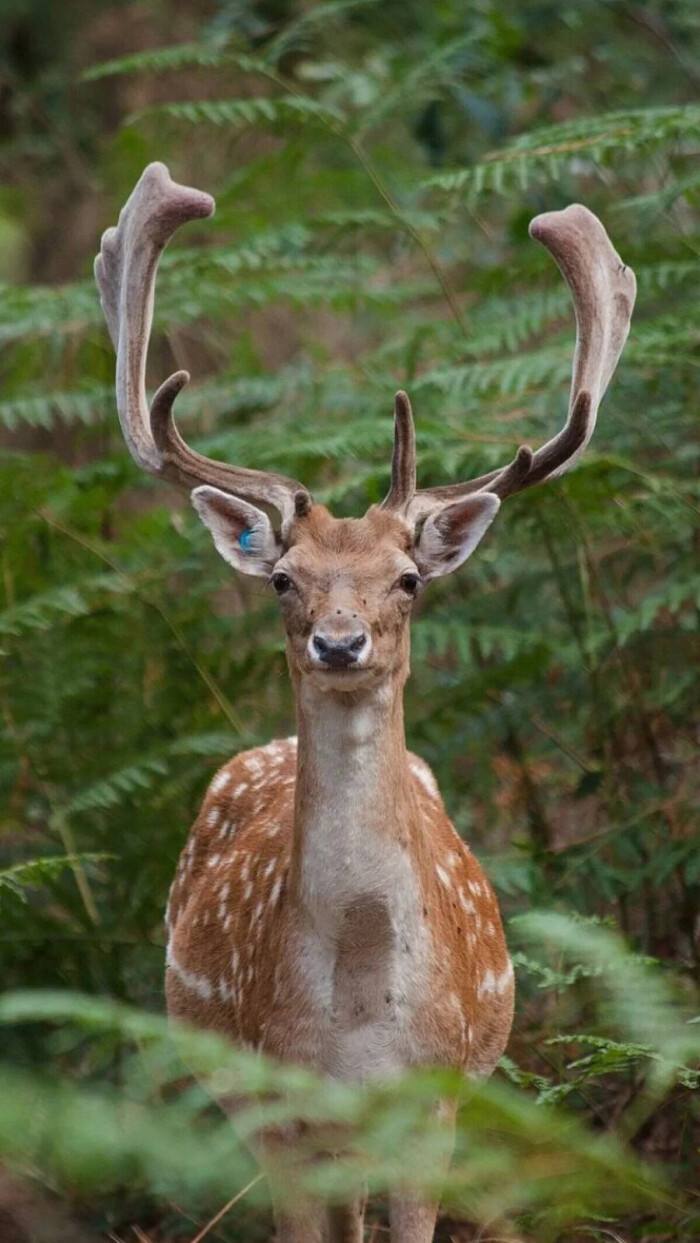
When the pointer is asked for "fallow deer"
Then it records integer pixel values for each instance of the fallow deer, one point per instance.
(325, 910)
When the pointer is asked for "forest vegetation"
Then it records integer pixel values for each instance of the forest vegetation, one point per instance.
(375, 166)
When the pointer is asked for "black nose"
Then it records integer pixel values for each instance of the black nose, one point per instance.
(339, 653)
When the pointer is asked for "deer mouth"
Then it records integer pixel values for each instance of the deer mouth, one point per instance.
(340, 671)
(348, 679)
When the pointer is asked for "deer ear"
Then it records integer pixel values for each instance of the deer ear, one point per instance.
(450, 535)
(242, 534)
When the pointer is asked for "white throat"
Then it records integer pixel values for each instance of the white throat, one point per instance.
(354, 802)
(364, 947)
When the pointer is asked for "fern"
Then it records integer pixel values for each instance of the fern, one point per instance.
(612, 1056)
(216, 54)
(47, 609)
(236, 113)
(543, 152)
(87, 406)
(118, 787)
(35, 872)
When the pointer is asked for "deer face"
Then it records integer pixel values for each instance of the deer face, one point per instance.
(346, 589)
(346, 586)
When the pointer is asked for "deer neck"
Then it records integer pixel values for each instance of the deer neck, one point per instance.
(355, 818)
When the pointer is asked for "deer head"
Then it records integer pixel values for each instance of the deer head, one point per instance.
(347, 586)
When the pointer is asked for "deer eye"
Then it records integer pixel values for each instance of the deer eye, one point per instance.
(410, 582)
(281, 582)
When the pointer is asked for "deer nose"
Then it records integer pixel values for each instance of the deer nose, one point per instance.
(339, 653)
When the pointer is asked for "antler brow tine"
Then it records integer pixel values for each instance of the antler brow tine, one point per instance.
(125, 271)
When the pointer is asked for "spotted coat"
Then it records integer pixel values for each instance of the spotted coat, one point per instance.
(235, 963)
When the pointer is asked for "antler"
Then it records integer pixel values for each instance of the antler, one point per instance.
(125, 271)
(603, 291)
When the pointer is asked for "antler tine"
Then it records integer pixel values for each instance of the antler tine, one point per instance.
(189, 468)
(125, 271)
(603, 290)
(403, 462)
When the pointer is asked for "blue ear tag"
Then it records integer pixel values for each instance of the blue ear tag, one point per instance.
(245, 539)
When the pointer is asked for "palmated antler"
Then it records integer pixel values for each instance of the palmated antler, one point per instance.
(125, 271)
(603, 291)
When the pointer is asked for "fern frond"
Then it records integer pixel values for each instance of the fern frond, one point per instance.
(237, 113)
(296, 34)
(542, 152)
(214, 55)
(61, 604)
(81, 406)
(34, 872)
(41, 309)
(141, 775)
(661, 199)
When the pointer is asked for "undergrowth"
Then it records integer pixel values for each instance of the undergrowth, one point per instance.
(375, 167)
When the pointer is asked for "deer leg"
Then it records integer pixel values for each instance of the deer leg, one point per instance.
(311, 1222)
(307, 1224)
(347, 1221)
(412, 1218)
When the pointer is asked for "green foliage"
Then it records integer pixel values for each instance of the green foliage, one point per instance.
(83, 1134)
(375, 168)
(34, 872)
(596, 139)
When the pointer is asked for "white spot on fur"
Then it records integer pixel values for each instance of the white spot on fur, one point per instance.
(196, 983)
(457, 1005)
(487, 984)
(504, 979)
(220, 781)
(443, 877)
(420, 770)
(497, 984)
(466, 903)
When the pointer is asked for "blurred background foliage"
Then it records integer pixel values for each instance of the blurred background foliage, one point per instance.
(375, 167)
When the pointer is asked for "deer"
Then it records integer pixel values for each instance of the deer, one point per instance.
(325, 910)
